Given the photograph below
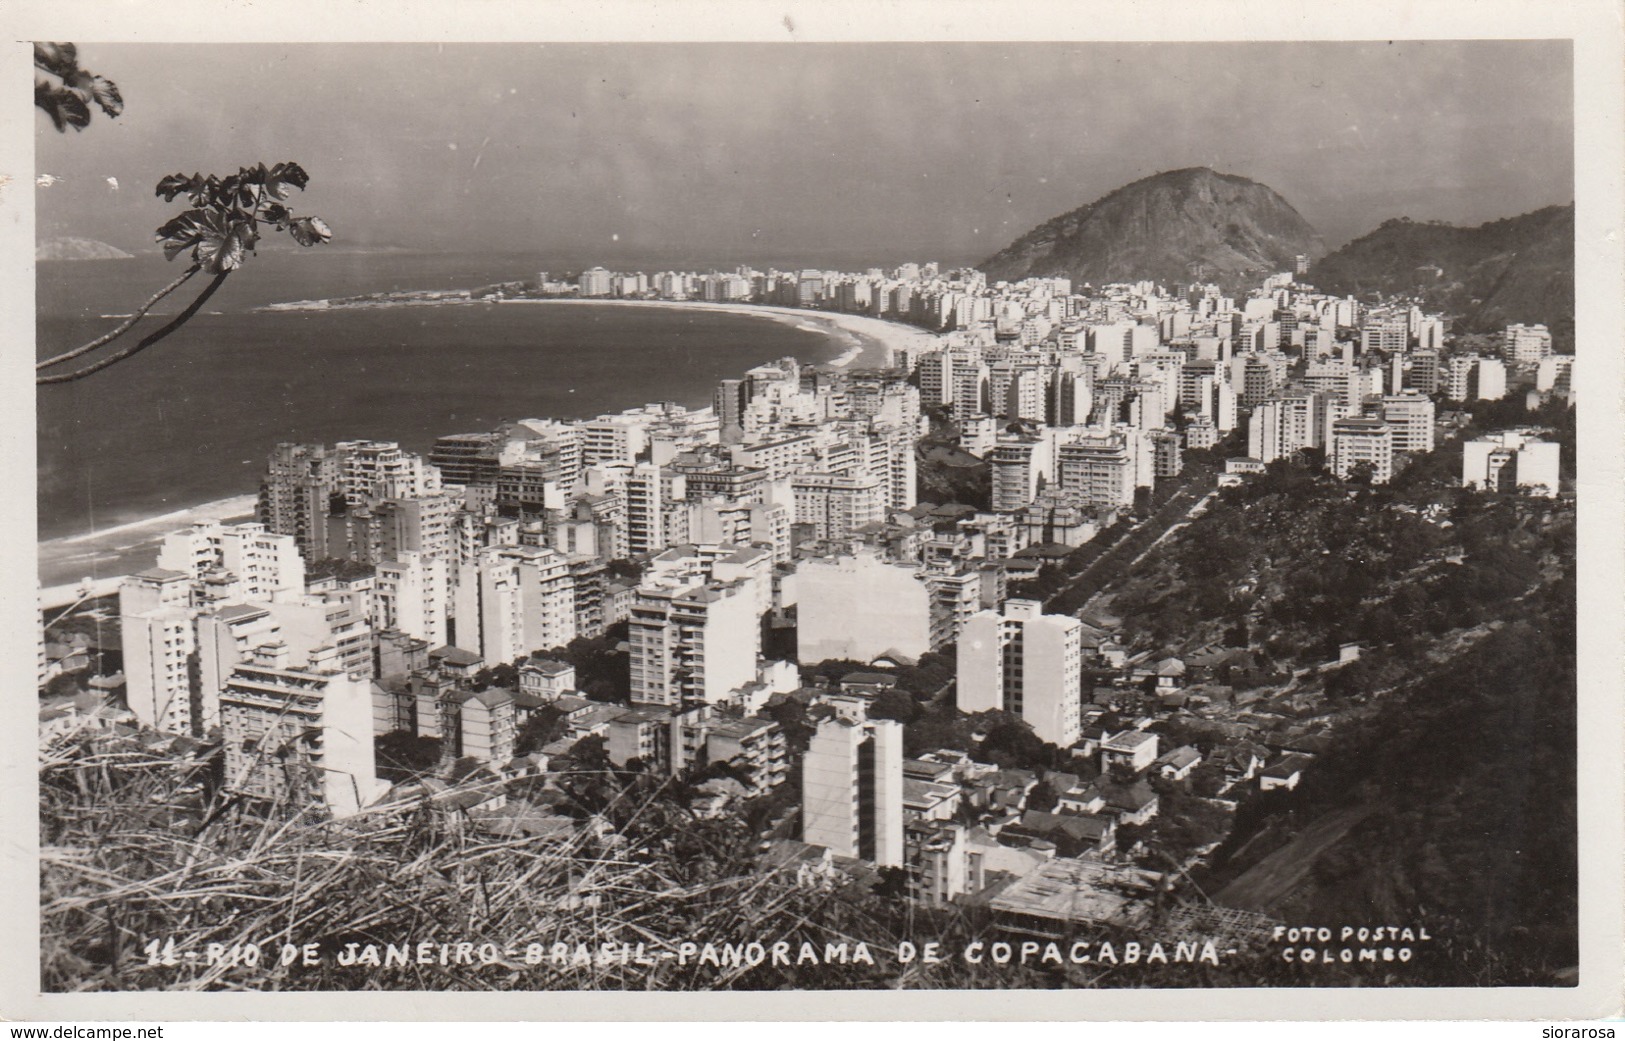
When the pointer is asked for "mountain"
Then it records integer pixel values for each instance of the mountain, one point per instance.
(67, 248)
(1177, 226)
(1516, 270)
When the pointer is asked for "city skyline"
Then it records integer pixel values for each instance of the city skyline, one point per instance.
(943, 151)
(680, 512)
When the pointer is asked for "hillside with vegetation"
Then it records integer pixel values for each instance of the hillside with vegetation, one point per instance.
(1516, 270)
(1448, 744)
(1176, 226)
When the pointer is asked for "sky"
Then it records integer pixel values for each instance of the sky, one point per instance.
(931, 151)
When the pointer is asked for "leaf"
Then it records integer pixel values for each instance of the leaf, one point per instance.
(57, 58)
(181, 232)
(283, 176)
(221, 247)
(180, 225)
(44, 100)
(310, 231)
(275, 213)
(79, 81)
(175, 184)
(197, 189)
(72, 109)
(105, 91)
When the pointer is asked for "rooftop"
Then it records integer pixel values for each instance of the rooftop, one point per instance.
(547, 666)
(455, 656)
(237, 612)
(1128, 741)
(1077, 891)
(158, 574)
(869, 679)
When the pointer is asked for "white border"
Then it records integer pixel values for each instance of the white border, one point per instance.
(1593, 25)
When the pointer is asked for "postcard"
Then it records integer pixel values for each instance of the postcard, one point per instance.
(997, 511)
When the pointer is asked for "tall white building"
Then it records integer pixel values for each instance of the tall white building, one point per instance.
(1526, 345)
(1099, 465)
(1468, 377)
(1021, 465)
(969, 392)
(227, 637)
(612, 439)
(266, 566)
(837, 505)
(515, 600)
(1357, 441)
(1304, 421)
(1025, 662)
(1490, 380)
(298, 736)
(372, 471)
(1410, 414)
(1509, 460)
(155, 618)
(693, 642)
(936, 373)
(1556, 374)
(413, 594)
(1071, 397)
(852, 789)
(594, 281)
(656, 509)
(860, 608)
(1264, 432)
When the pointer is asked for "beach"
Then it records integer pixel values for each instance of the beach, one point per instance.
(104, 557)
(101, 556)
(869, 340)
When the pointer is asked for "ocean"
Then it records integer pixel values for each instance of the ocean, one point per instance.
(191, 419)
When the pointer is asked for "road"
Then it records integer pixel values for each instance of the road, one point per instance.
(1115, 560)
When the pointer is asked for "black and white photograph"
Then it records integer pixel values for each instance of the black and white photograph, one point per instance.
(807, 513)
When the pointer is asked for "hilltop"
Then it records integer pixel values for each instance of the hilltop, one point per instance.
(1516, 270)
(69, 248)
(1176, 226)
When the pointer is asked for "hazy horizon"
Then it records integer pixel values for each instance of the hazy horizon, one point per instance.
(932, 151)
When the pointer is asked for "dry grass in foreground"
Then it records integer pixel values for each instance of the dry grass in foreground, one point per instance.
(132, 853)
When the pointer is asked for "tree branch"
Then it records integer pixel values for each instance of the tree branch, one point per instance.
(148, 341)
(140, 312)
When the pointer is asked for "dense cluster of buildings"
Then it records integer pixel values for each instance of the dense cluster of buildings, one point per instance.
(1109, 386)
(378, 587)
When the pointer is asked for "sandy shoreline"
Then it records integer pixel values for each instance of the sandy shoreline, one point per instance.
(103, 557)
(873, 338)
(107, 555)
(869, 340)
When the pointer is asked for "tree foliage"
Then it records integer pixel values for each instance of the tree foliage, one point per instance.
(401, 755)
(223, 225)
(67, 98)
(221, 229)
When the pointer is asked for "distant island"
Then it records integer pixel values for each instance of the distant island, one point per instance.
(69, 248)
(392, 298)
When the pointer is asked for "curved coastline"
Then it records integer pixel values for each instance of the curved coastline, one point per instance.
(870, 340)
(105, 555)
(60, 559)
